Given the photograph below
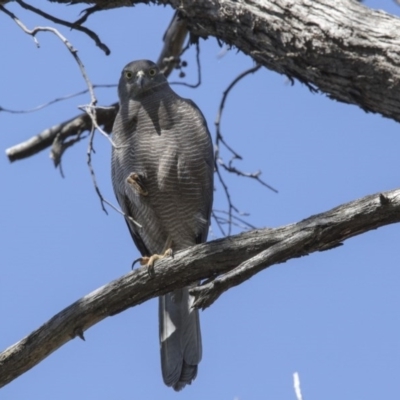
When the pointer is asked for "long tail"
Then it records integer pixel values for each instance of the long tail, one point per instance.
(180, 338)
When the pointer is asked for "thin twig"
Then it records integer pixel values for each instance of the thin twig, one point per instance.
(218, 222)
(231, 207)
(56, 100)
(198, 83)
(86, 13)
(219, 137)
(89, 152)
(92, 112)
(71, 25)
(252, 175)
(219, 162)
(34, 31)
(58, 148)
(246, 225)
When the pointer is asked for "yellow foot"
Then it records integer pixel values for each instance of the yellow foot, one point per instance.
(149, 261)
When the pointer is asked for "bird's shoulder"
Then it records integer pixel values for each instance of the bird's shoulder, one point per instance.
(189, 111)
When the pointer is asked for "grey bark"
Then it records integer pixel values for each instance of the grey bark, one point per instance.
(224, 262)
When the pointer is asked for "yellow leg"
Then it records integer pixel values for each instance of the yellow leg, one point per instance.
(149, 261)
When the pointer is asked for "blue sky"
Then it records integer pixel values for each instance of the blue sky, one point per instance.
(331, 316)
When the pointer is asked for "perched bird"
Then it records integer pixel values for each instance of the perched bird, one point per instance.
(162, 174)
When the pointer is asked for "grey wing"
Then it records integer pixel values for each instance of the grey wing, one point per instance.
(119, 167)
(207, 192)
(127, 209)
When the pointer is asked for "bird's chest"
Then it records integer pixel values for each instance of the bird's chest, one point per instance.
(162, 158)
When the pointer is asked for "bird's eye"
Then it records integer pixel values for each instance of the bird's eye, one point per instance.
(128, 74)
(152, 71)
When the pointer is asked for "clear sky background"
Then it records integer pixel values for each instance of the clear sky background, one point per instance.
(332, 316)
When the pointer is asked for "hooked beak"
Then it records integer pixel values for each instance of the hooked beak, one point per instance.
(140, 78)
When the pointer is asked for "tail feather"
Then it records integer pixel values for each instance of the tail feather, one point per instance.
(180, 338)
(188, 374)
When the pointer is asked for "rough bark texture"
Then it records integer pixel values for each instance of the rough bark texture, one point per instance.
(227, 262)
(73, 127)
(342, 47)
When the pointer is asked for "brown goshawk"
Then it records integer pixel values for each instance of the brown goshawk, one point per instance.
(162, 174)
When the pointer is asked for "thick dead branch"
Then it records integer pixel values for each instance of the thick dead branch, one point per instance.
(345, 49)
(317, 233)
(174, 39)
(73, 127)
(238, 257)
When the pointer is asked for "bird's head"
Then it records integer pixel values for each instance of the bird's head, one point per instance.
(139, 77)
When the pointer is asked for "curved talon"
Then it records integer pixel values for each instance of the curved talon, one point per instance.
(150, 261)
(135, 261)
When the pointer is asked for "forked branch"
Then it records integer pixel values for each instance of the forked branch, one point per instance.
(224, 263)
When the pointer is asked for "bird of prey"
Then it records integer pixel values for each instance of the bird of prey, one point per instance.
(162, 174)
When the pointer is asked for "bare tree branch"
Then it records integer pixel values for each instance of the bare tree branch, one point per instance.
(219, 162)
(89, 110)
(56, 100)
(73, 127)
(343, 48)
(174, 38)
(71, 25)
(234, 260)
(221, 217)
(182, 74)
(86, 14)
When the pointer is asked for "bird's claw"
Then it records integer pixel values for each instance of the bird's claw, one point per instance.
(150, 261)
(135, 261)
